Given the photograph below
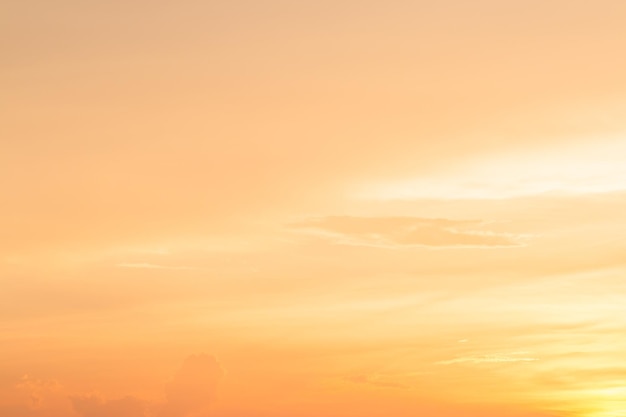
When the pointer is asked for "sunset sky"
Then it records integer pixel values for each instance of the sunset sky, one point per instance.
(329, 208)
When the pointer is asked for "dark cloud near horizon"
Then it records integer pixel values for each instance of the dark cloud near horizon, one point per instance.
(192, 389)
(93, 406)
(190, 393)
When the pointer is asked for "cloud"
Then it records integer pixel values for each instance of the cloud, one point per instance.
(496, 358)
(376, 381)
(32, 397)
(600, 378)
(39, 391)
(407, 232)
(94, 406)
(190, 393)
(192, 390)
(144, 265)
(583, 168)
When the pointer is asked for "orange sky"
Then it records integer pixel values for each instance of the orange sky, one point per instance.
(312, 208)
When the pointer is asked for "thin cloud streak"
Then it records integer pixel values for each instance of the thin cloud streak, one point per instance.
(401, 232)
(142, 265)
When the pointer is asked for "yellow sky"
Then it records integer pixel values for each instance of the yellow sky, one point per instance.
(312, 208)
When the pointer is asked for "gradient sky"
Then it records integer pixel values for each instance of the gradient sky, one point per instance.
(313, 208)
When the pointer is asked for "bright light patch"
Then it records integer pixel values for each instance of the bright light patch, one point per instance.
(589, 169)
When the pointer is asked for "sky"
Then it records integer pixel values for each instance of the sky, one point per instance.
(312, 208)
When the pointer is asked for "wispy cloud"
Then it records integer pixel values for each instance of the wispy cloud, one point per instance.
(146, 265)
(407, 232)
(376, 380)
(494, 358)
